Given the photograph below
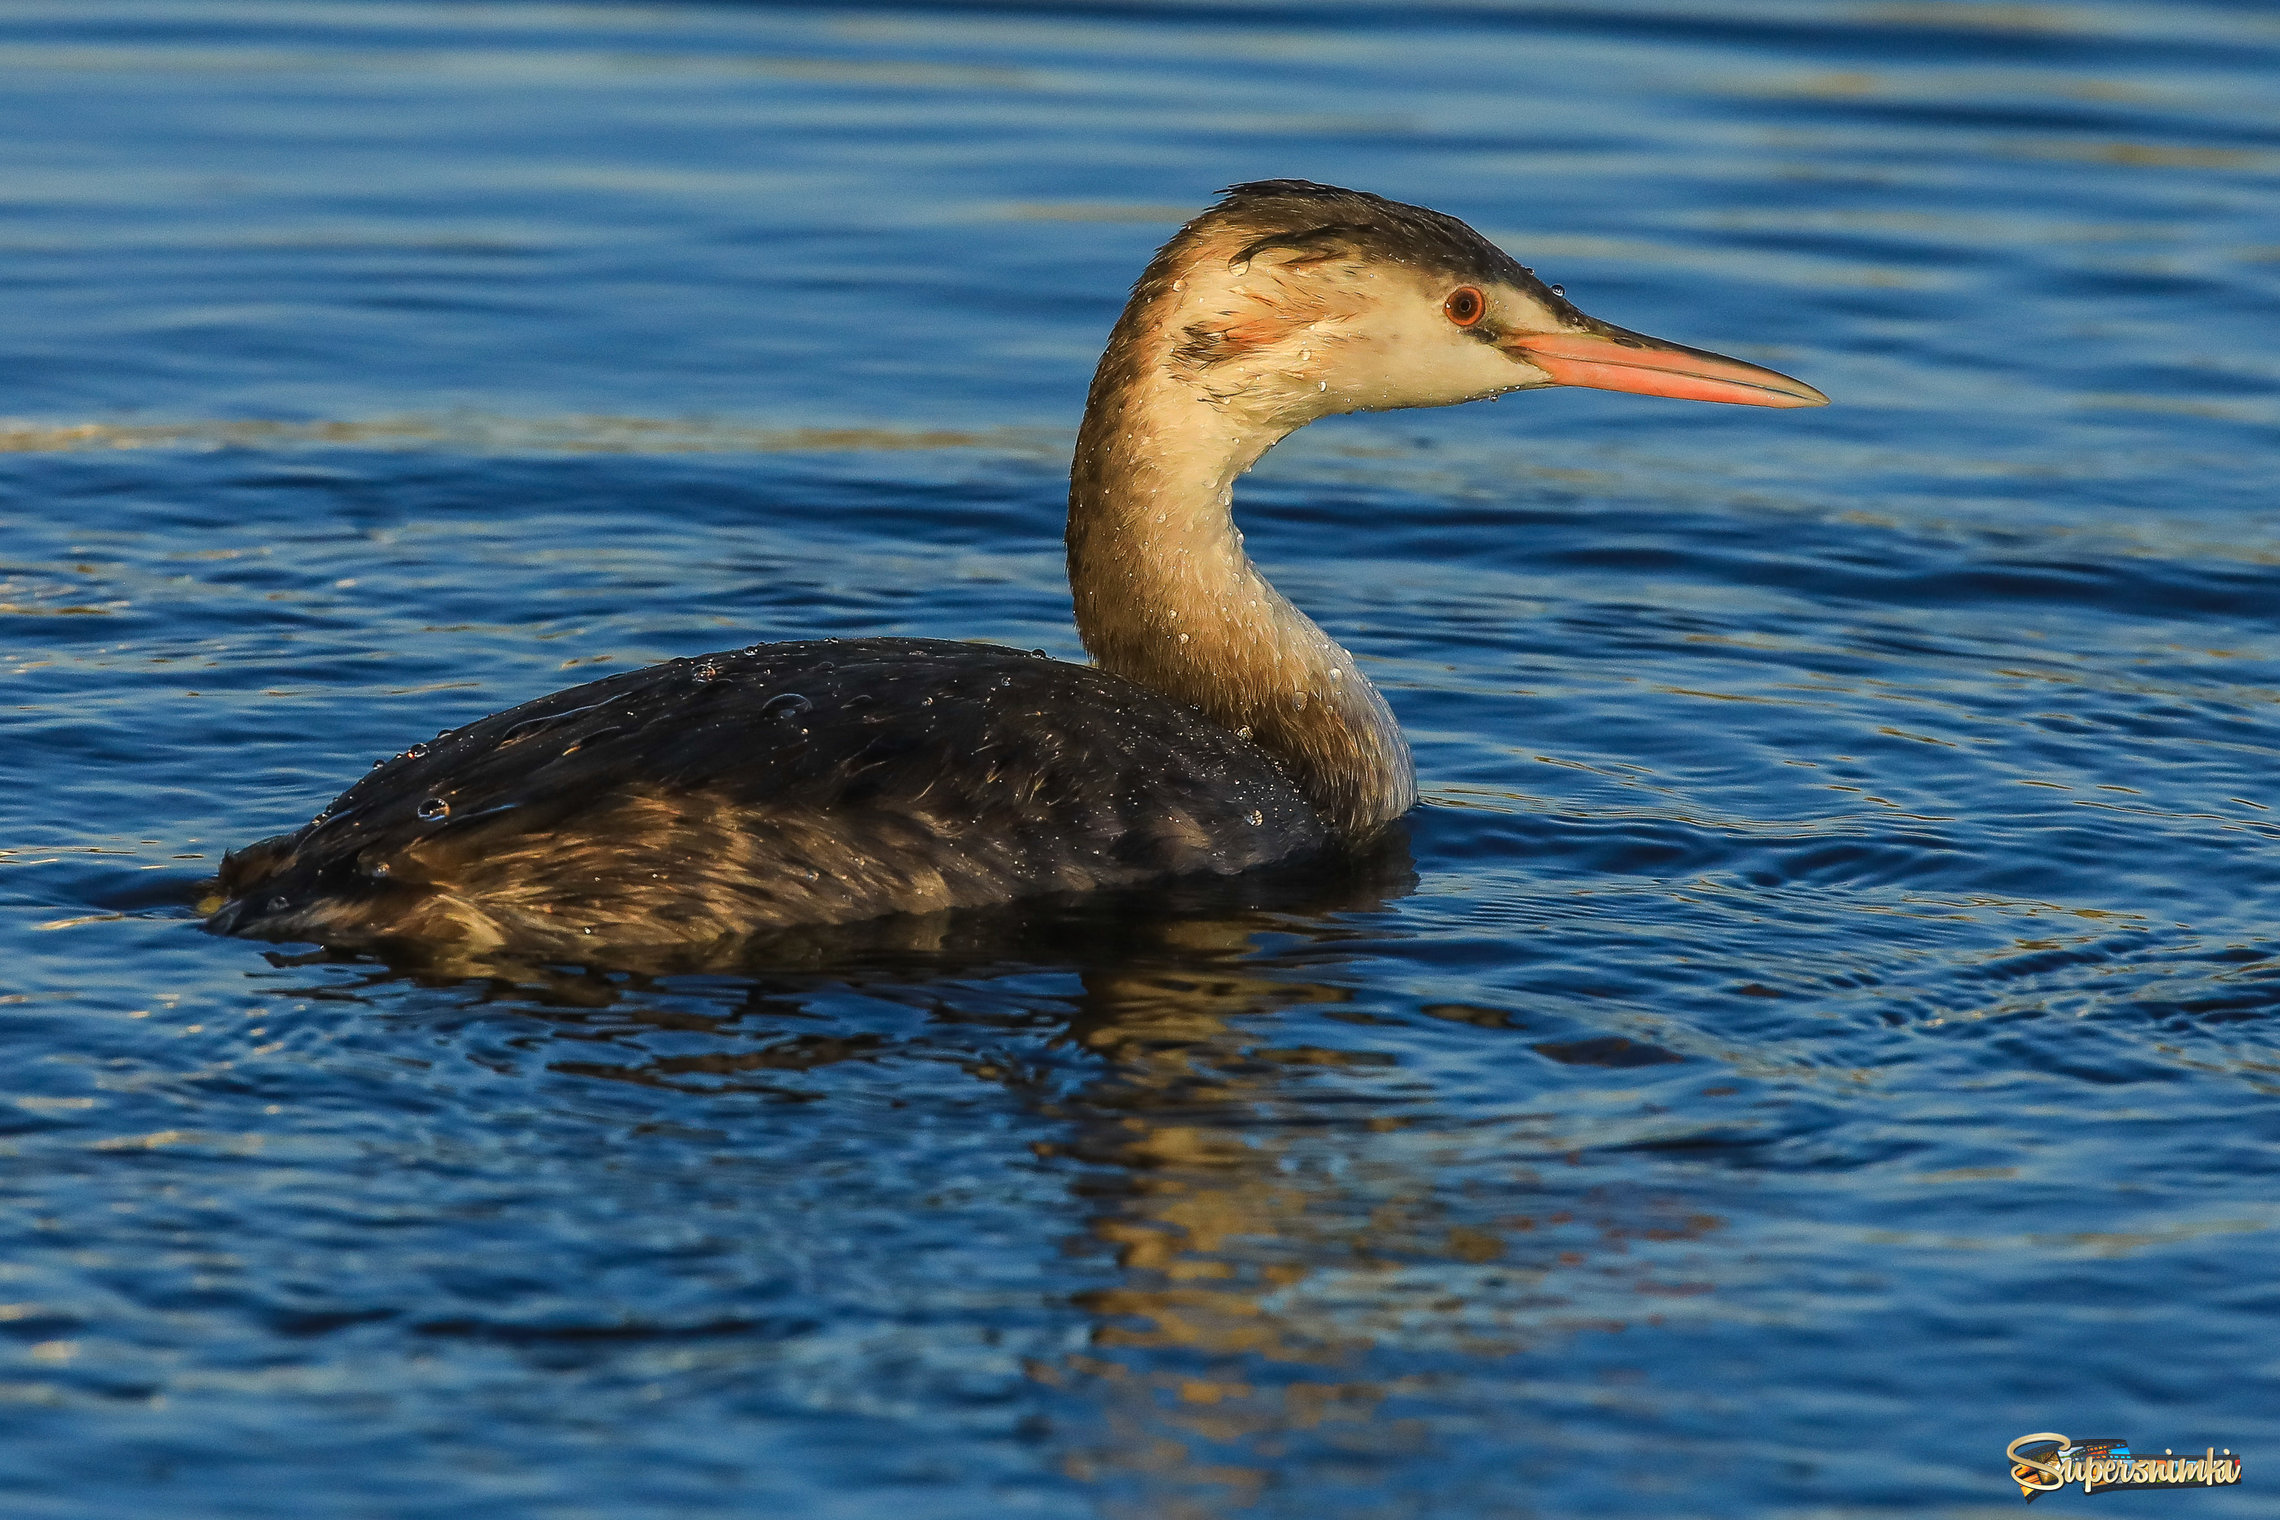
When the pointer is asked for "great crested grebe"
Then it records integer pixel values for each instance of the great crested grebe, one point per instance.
(824, 782)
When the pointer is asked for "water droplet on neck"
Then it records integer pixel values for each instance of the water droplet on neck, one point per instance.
(785, 704)
(434, 808)
(1255, 817)
(416, 752)
(1243, 732)
(1298, 700)
(708, 671)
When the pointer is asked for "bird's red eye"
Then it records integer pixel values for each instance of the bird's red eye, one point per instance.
(1464, 306)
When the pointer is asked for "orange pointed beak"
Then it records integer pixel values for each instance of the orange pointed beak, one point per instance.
(1615, 360)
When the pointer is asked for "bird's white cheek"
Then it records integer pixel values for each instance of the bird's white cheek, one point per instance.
(1480, 370)
(1520, 374)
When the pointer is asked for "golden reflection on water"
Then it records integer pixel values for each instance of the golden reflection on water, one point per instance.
(476, 433)
(1222, 1343)
(1274, 1220)
(1268, 1239)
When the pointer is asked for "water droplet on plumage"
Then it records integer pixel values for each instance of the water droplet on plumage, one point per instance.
(1298, 700)
(1243, 732)
(278, 904)
(1255, 817)
(708, 672)
(416, 752)
(434, 808)
(1559, 290)
(785, 704)
(1183, 638)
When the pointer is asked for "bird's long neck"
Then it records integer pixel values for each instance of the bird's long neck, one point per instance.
(1165, 595)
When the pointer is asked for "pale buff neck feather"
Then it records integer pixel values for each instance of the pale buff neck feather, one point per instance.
(1165, 594)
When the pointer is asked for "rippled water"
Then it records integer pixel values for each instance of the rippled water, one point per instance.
(1824, 1025)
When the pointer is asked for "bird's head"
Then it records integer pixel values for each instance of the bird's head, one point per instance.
(1289, 301)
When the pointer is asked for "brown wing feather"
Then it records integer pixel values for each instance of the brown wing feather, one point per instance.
(819, 782)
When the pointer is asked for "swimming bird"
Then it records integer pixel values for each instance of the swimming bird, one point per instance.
(829, 781)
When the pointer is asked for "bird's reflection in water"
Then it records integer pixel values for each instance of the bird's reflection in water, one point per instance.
(1234, 1339)
(1294, 1249)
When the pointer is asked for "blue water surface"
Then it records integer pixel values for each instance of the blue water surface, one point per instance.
(1826, 1023)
